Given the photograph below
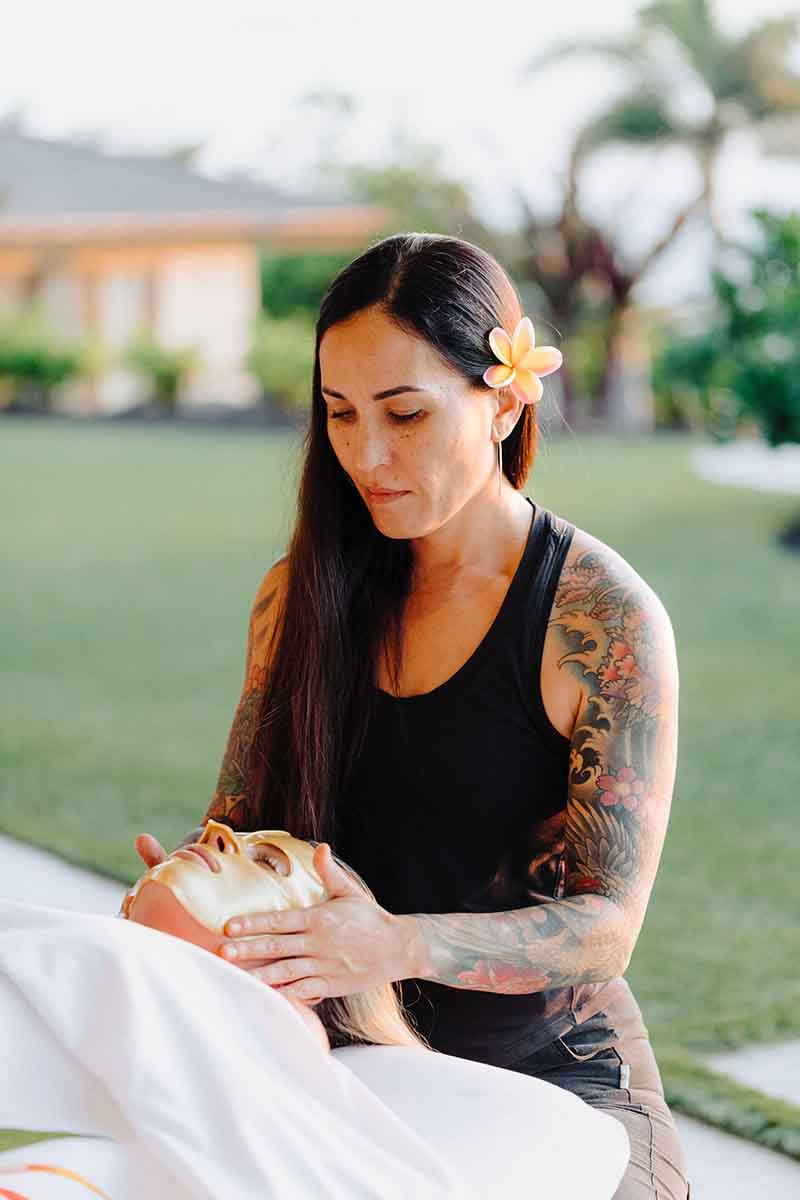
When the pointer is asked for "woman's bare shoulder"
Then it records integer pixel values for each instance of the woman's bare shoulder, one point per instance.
(599, 581)
(601, 602)
(585, 543)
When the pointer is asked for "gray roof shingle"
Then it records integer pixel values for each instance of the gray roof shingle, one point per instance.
(41, 178)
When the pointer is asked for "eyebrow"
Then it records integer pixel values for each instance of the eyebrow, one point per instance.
(395, 391)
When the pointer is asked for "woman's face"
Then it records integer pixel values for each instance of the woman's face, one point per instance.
(200, 887)
(433, 445)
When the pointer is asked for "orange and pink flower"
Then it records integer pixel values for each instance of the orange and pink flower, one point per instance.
(504, 979)
(521, 362)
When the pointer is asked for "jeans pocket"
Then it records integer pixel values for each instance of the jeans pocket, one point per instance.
(584, 1042)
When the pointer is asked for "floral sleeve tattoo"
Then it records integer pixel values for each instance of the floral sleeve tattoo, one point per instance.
(615, 635)
(232, 801)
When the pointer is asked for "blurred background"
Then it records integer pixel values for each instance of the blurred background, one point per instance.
(178, 185)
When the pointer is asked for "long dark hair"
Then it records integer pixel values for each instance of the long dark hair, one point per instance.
(347, 583)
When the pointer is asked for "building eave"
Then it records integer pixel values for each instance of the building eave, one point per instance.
(312, 226)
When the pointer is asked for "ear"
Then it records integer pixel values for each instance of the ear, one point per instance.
(507, 412)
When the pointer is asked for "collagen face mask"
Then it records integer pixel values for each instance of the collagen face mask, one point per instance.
(223, 875)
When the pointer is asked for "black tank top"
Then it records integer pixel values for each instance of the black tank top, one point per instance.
(457, 804)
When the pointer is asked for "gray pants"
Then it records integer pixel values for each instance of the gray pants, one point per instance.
(608, 1061)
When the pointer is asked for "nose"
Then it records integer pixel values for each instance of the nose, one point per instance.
(371, 450)
(220, 837)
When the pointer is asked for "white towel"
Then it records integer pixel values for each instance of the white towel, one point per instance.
(212, 1084)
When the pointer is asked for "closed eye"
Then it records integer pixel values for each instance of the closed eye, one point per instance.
(272, 858)
(402, 418)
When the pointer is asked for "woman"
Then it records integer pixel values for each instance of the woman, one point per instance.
(210, 1085)
(473, 701)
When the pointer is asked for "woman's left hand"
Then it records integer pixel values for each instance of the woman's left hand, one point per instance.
(346, 944)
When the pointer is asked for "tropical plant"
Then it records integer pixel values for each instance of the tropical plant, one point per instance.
(33, 362)
(742, 82)
(744, 364)
(296, 281)
(166, 369)
(677, 47)
(281, 357)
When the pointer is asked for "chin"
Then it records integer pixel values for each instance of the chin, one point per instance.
(400, 526)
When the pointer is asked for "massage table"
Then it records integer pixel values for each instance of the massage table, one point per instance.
(179, 1075)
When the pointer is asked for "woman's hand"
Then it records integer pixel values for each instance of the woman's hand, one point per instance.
(346, 944)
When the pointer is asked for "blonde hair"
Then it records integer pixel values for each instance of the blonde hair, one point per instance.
(372, 1018)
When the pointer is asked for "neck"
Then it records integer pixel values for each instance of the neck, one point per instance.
(483, 538)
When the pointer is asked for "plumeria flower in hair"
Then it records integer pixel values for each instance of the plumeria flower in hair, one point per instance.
(521, 362)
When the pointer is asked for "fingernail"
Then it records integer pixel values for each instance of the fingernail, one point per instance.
(230, 951)
(234, 927)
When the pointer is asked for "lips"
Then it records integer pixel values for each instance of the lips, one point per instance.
(193, 853)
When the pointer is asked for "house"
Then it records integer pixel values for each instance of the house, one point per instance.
(111, 246)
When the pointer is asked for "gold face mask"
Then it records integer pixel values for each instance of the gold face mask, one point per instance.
(222, 875)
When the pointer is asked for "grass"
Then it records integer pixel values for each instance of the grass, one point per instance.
(132, 557)
(710, 1096)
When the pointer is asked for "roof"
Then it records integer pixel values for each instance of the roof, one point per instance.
(57, 190)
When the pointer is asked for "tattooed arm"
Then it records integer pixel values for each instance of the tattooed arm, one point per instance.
(615, 636)
(232, 800)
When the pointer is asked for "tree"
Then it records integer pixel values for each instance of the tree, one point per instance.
(421, 197)
(747, 83)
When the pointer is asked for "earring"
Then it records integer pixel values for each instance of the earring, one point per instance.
(499, 464)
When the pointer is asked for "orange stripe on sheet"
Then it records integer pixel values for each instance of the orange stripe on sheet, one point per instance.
(67, 1174)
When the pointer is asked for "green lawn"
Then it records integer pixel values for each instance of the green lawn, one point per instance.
(131, 556)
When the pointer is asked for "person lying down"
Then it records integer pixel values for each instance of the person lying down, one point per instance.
(211, 1083)
(201, 886)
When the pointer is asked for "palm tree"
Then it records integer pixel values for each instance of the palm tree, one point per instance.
(747, 84)
(570, 257)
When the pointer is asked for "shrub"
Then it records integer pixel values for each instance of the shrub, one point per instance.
(33, 362)
(744, 365)
(292, 282)
(281, 357)
(166, 370)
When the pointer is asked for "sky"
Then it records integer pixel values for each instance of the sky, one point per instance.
(232, 76)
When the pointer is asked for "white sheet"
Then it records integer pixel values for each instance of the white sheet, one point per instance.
(211, 1084)
(97, 1163)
